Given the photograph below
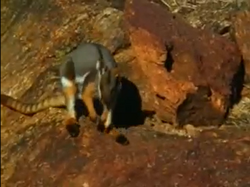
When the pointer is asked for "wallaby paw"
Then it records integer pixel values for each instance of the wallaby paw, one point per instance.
(100, 127)
(122, 139)
(72, 127)
(93, 118)
(73, 130)
(119, 137)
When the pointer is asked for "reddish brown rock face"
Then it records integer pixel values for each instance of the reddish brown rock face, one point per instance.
(93, 160)
(38, 152)
(190, 71)
(242, 36)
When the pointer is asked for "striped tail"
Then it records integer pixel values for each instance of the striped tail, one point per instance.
(32, 108)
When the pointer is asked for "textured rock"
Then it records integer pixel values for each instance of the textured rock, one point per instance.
(108, 31)
(242, 36)
(37, 150)
(214, 15)
(191, 71)
(51, 159)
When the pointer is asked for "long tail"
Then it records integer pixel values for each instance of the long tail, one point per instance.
(32, 108)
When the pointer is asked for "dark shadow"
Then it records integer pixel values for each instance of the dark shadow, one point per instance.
(224, 30)
(160, 97)
(237, 85)
(169, 59)
(81, 109)
(128, 111)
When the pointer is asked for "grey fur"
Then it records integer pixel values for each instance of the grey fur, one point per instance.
(86, 55)
(83, 60)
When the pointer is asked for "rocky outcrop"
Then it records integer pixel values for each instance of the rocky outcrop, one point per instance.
(192, 72)
(37, 150)
(93, 160)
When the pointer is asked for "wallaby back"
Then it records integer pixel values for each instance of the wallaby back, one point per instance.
(85, 56)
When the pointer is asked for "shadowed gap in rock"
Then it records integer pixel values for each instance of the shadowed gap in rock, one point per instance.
(236, 87)
(237, 84)
(199, 101)
(169, 59)
(197, 105)
(128, 110)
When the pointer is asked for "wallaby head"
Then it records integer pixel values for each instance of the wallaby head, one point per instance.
(109, 84)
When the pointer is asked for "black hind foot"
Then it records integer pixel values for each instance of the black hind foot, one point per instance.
(100, 126)
(122, 139)
(119, 137)
(72, 127)
(73, 130)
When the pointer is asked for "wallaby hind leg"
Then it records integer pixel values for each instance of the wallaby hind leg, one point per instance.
(67, 74)
(107, 126)
(69, 90)
(106, 118)
(87, 98)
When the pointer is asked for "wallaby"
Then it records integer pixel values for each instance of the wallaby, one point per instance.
(88, 72)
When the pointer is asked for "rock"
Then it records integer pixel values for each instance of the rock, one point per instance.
(190, 71)
(241, 27)
(213, 15)
(37, 150)
(107, 29)
(46, 156)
